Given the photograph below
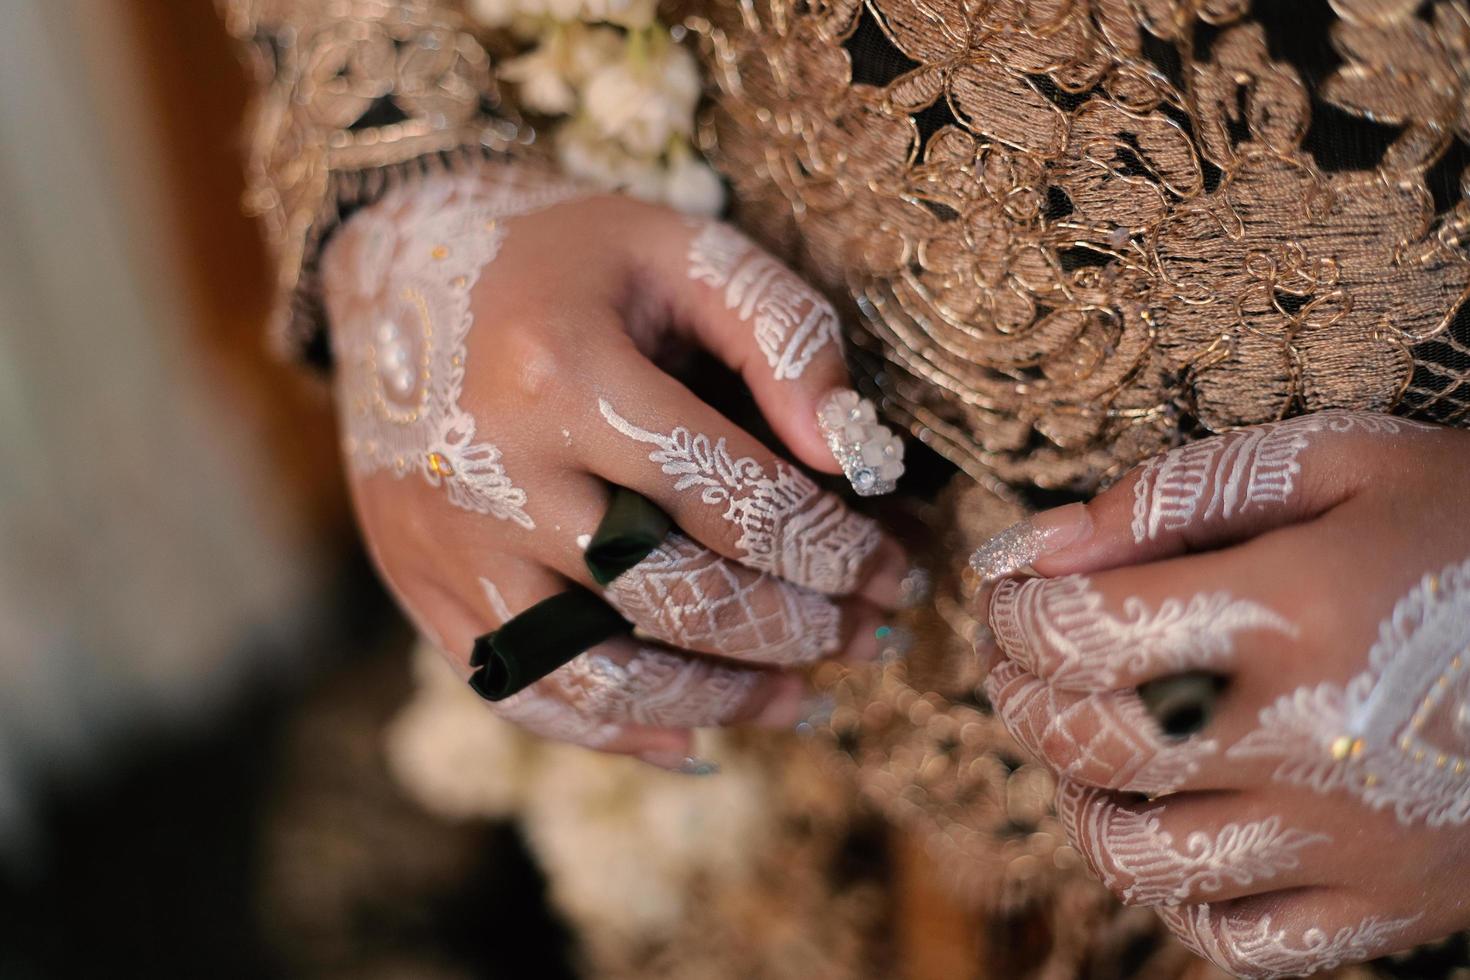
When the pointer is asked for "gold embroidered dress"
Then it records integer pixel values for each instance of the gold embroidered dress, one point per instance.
(1067, 234)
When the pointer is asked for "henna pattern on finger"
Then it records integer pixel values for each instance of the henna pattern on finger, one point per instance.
(787, 526)
(403, 355)
(538, 713)
(1057, 628)
(792, 321)
(1106, 740)
(1140, 862)
(1397, 735)
(548, 717)
(657, 688)
(1232, 474)
(1258, 949)
(687, 596)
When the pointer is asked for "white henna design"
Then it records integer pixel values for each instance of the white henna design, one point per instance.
(786, 524)
(1396, 734)
(687, 596)
(497, 602)
(1105, 740)
(1057, 628)
(1141, 863)
(1232, 474)
(402, 359)
(1256, 948)
(792, 321)
(657, 688)
(551, 718)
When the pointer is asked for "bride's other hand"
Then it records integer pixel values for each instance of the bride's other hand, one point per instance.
(1302, 798)
(498, 343)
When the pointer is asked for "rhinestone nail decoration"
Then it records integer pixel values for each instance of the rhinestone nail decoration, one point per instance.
(870, 455)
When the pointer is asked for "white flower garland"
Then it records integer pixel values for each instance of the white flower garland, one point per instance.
(623, 90)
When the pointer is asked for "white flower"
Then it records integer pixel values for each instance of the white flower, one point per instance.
(584, 152)
(635, 15)
(691, 186)
(450, 752)
(494, 13)
(645, 101)
(549, 76)
(561, 10)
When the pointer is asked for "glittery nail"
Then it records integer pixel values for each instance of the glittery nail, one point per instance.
(870, 455)
(1021, 544)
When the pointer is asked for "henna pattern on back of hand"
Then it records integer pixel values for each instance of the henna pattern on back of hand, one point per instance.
(403, 350)
(1398, 734)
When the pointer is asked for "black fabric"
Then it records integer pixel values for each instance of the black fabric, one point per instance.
(540, 640)
(631, 528)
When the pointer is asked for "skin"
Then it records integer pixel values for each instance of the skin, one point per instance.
(586, 301)
(1370, 514)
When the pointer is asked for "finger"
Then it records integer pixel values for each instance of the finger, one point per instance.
(1291, 933)
(731, 494)
(1188, 849)
(759, 318)
(686, 596)
(1107, 740)
(1205, 495)
(538, 709)
(1119, 629)
(645, 685)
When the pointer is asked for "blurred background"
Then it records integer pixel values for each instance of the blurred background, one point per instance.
(195, 660)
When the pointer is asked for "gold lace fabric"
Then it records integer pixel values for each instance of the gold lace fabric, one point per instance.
(354, 96)
(1081, 231)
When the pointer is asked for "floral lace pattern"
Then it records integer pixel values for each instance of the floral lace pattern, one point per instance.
(354, 97)
(1081, 231)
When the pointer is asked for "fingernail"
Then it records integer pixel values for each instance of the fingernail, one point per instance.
(915, 588)
(816, 714)
(870, 455)
(785, 707)
(894, 643)
(695, 766)
(1022, 544)
(688, 765)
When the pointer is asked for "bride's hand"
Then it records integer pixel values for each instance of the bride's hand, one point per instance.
(1316, 574)
(497, 342)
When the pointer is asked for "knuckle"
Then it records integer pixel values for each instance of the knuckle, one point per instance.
(532, 363)
(1059, 749)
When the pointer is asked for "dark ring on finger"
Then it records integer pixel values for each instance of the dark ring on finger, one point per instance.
(540, 640)
(632, 527)
(1182, 704)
